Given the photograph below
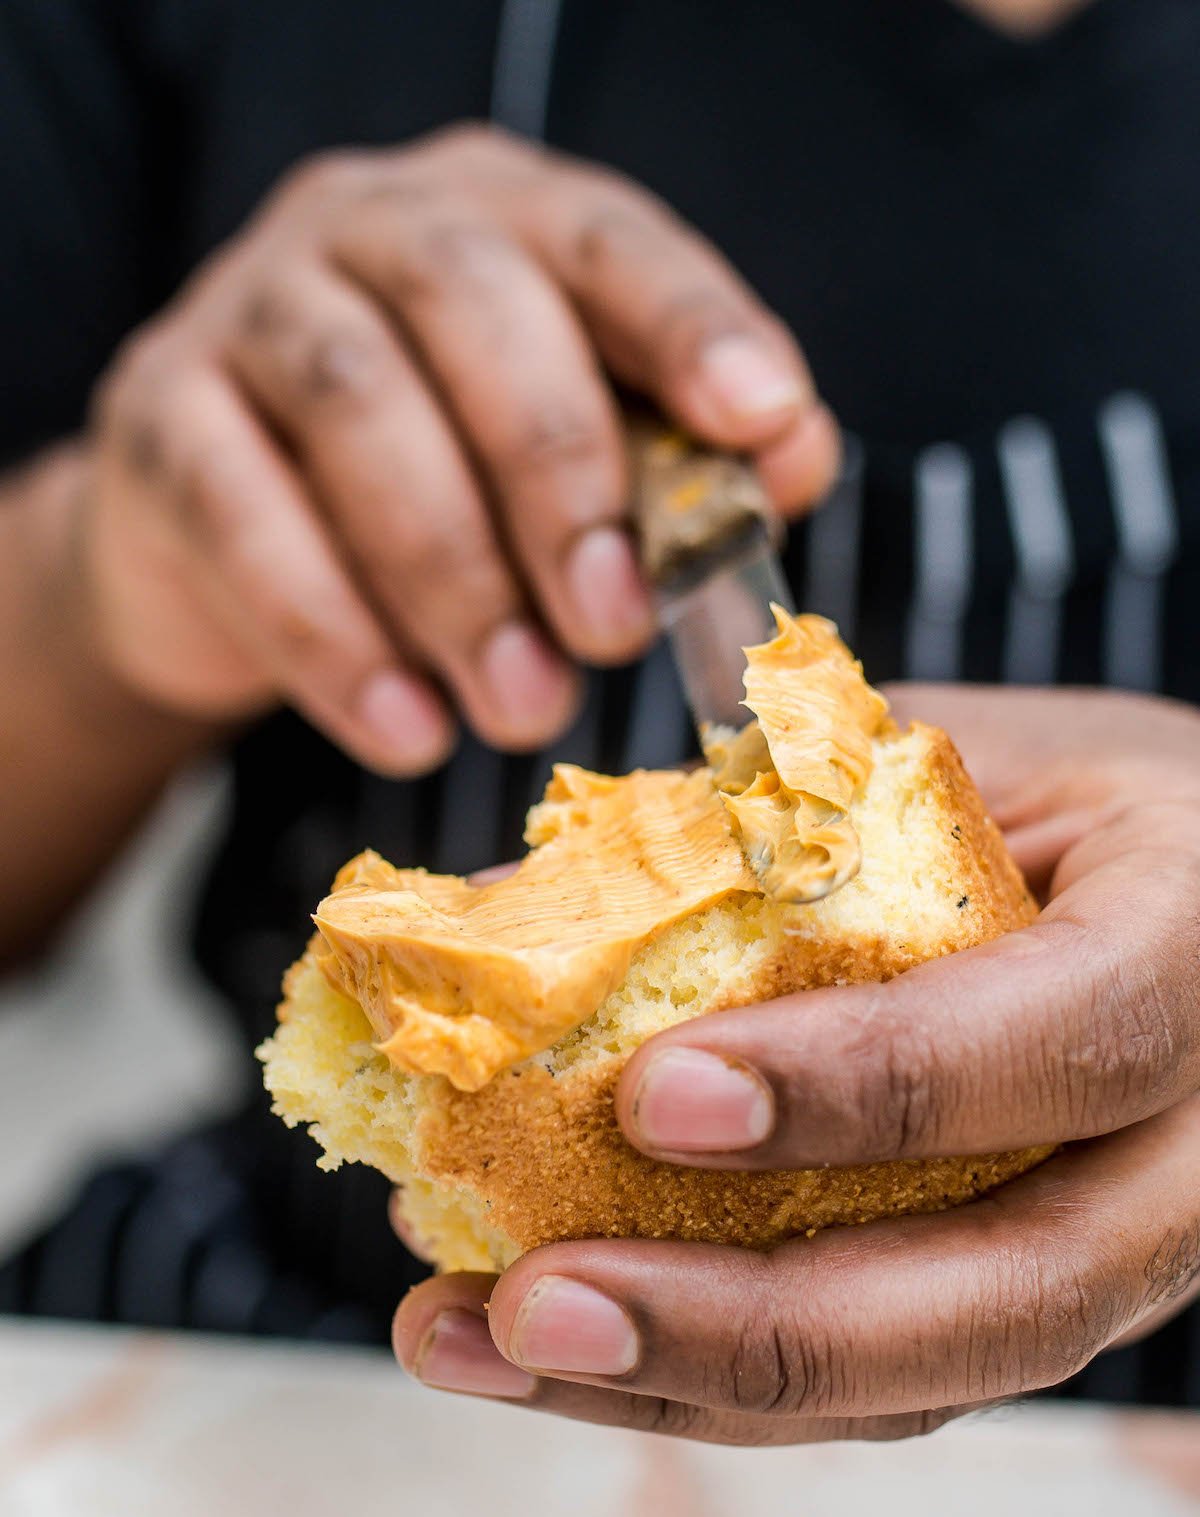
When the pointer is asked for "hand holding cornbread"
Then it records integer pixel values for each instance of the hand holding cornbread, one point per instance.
(1085, 1025)
(1082, 1026)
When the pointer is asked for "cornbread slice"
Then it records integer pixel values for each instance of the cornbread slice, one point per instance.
(535, 1154)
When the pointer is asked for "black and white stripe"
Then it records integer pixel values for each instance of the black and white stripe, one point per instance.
(943, 486)
(833, 546)
(1139, 477)
(1041, 531)
(523, 68)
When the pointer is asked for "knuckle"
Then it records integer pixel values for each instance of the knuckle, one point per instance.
(298, 635)
(447, 252)
(314, 659)
(1164, 981)
(425, 552)
(267, 313)
(462, 248)
(213, 512)
(473, 137)
(429, 548)
(121, 413)
(1042, 1316)
(131, 403)
(136, 375)
(553, 438)
(761, 1380)
(457, 251)
(320, 361)
(1114, 1077)
(1136, 1043)
(144, 446)
(328, 172)
(316, 649)
(1077, 1314)
(776, 1368)
(1172, 1269)
(487, 156)
(904, 1104)
(474, 160)
(890, 1098)
(108, 401)
(402, 187)
(1063, 1338)
(612, 232)
(344, 364)
(619, 220)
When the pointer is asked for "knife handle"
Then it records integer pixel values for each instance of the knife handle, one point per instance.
(690, 504)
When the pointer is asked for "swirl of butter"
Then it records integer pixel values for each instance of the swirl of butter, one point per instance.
(463, 980)
(789, 778)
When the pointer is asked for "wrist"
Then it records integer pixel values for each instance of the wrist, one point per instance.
(62, 622)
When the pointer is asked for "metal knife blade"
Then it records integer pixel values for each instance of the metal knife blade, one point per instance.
(708, 547)
(710, 623)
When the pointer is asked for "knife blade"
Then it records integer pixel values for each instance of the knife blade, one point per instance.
(708, 539)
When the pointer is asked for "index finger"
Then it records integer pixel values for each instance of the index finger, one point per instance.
(1086, 1021)
(673, 318)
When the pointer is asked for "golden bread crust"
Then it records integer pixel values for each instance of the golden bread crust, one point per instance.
(547, 1156)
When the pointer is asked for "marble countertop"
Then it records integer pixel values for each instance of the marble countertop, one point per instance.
(97, 1422)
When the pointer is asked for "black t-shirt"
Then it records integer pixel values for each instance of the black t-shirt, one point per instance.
(987, 246)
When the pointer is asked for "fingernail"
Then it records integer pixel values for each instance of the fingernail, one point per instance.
(530, 684)
(747, 379)
(458, 1355)
(566, 1326)
(404, 717)
(605, 586)
(695, 1102)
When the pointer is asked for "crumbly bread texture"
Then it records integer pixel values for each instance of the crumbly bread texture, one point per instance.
(536, 1154)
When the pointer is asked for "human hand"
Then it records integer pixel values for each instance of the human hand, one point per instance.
(1083, 1028)
(368, 460)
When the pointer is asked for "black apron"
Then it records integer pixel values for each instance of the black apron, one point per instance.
(988, 248)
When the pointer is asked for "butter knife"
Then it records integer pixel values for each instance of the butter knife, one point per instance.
(708, 538)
